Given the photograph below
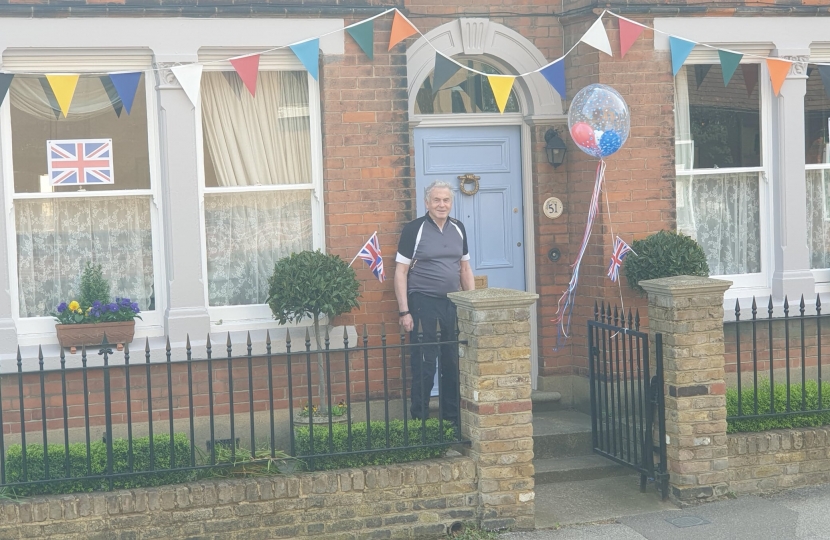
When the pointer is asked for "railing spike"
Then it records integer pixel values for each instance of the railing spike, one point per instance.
(187, 341)
(167, 346)
(818, 303)
(596, 311)
(345, 333)
(249, 338)
(737, 308)
(769, 307)
(267, 337)
(207, 343)
(801, 305)
(146, 345)
(288, 336)
(786, 307)
(228, 342)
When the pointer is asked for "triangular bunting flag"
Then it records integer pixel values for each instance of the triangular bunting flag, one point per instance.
(248, 68)
(555, 75)
(112, 94)
(63, 87)
(401, 29)
(190, 77)
(597, 38)
(5, 83)
(364, 34)
(629, 32)
(501, 85)
(700, 73)
(750, 73)
(680, 50)
(824, 71)
(728, 64)
(50, 97)
(308, 52)
(126, 85)
(778, 71)
(234, 82)
(444, 70)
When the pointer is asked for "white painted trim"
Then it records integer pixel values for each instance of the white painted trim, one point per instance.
(466, 120)
(530, 248)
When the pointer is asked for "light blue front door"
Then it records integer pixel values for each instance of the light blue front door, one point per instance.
(493, 217)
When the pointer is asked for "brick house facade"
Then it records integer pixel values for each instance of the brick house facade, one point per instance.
(367, 158)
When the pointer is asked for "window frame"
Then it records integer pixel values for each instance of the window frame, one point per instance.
(819, 53)
(255, 316)
(37, 330)
(759, 283)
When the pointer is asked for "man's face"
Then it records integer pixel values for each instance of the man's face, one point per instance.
(439, 203)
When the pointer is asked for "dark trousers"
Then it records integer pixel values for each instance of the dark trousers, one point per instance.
(430, 312)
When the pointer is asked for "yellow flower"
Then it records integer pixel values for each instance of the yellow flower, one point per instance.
(74, 305)
(88, 310)
(79, 311)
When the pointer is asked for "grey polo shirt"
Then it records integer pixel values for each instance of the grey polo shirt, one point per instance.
(434, 255)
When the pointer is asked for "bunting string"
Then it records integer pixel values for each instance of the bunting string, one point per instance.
(362, 32)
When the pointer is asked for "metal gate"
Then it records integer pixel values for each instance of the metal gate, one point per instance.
(627, 401)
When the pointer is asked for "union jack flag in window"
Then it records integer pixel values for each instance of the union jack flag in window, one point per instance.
(80, 161)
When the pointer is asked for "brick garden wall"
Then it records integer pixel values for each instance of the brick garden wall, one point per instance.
(778, 459)
(398, 501)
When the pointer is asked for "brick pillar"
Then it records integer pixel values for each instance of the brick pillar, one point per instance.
(495, 402)
(688, 311)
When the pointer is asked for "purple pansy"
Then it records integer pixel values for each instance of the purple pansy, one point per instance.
(112, 307)
(62, 307)
(134, 307)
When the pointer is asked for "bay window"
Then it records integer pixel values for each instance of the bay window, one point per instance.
(817, 160)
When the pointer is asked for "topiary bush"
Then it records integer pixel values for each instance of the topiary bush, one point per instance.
(780, 405)
(75, 481)
(664, 254)
(310, 284)
(399, 454)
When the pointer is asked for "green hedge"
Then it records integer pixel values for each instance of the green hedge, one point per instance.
(780, 405)
(98, 457)
(400, 454)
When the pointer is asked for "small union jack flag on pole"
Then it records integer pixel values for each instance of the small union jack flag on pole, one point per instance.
(370, 252)
(80, 161)
(621, 249)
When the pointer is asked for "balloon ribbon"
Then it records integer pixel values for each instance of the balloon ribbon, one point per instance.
(564, 310)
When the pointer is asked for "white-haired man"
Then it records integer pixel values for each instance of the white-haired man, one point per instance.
(433, 260)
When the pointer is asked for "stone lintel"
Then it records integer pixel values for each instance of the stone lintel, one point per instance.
(493, 298)
(680, 286)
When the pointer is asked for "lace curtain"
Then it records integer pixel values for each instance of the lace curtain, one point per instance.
(818, 220)
(722, 212)
(255, 141)
(55, 238)
(34, 96)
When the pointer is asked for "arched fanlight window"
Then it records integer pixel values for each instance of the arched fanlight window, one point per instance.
(465, 92)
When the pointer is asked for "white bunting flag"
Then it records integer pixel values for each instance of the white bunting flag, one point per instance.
(597, 38)
(190, 77)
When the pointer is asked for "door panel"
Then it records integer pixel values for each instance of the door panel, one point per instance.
(494, 216)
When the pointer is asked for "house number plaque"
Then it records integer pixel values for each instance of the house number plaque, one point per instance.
(552, 207)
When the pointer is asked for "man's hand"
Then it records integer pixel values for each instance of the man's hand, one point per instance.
(407, 322)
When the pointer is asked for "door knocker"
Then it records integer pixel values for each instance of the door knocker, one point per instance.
(464, 179)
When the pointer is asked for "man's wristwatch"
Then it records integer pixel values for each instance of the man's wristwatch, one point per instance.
(403, 313)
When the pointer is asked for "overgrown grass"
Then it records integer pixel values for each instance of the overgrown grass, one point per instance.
(779, 405)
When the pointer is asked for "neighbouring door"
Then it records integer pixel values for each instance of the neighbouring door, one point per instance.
(493, 217)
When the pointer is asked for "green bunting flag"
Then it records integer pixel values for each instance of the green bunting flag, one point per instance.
(444, 70)
(700, 73)
(364, 35)
(5, 83)
(728, 64)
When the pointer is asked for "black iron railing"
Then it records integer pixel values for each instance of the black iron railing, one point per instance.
(99, 427)
(774, 363)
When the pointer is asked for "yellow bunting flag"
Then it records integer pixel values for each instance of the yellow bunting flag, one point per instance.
(501, 85)
(401, 29)
(778, 71)
(63, 86)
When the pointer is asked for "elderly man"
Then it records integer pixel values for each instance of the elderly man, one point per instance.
(433, 260)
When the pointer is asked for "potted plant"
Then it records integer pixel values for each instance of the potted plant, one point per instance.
(93, 315)
(312, 284)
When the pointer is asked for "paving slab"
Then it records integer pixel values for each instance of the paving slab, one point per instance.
(595, 500)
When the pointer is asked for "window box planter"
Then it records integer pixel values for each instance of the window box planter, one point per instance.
(78, 335)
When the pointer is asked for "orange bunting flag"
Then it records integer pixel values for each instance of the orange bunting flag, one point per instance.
(778, 70)
(401, 29)
(501, 85)
(247, 67)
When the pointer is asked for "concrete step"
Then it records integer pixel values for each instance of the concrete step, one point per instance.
(546, 401)
(571, 469)
(560, 434)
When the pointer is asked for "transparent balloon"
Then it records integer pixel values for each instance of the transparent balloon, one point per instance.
(599, 120)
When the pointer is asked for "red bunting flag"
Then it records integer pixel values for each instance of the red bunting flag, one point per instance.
(401, 29)
(247, 67)
(629, 32)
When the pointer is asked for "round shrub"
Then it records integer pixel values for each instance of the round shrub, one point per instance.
(664, 254)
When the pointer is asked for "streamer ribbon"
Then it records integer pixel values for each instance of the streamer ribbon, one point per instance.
(565, 306)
